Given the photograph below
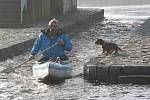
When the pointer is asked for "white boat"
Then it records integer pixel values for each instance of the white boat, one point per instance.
(52, 70)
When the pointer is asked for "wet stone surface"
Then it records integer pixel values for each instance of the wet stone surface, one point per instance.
(10, 36)
(135, 45)
(20, 85)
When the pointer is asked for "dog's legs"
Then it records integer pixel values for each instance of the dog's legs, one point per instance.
(108, 52)
(116, 50)
(103, 51)
(111, 51)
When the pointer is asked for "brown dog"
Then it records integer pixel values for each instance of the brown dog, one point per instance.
(109, 47)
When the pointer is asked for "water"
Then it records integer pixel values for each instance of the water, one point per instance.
(118, 24)
(110, 3)
(124, 14)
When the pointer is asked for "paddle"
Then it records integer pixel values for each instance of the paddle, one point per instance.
(7, 70)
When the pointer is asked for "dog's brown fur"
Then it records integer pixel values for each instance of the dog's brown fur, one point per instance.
(108, 47)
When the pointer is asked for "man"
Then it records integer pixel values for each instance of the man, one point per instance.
(48, 38)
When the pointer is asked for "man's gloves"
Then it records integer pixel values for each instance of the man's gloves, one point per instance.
(31, 57)
(61, 42)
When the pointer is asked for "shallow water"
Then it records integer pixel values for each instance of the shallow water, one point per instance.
(108, 3)
(22, 86)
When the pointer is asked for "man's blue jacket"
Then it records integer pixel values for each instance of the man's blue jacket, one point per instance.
(44, 41)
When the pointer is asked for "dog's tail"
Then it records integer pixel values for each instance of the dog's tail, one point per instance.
(119, 49)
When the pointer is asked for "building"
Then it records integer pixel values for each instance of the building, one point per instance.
(16, 13)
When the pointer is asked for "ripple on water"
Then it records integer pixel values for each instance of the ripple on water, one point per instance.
(21, 85)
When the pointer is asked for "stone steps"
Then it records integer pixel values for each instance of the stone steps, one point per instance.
(134, 79)
(136, 74)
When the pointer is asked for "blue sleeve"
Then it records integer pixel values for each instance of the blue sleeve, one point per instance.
(68, 42)
(37, 45)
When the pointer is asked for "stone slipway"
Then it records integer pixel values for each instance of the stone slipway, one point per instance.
(16, 41)
(132, 66)
(145, 28)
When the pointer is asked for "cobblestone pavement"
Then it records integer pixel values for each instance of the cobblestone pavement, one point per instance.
(136, 46)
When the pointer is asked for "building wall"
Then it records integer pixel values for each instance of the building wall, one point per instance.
(35, 10)
(69, 6)
(46, 8)
(39, 9)
(24, 12)
(56, 7)
(9, 13)
(63, 7)
(24, 7)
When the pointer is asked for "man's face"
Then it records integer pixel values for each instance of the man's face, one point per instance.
(53, 27)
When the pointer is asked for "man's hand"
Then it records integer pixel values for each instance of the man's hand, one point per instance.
(31, 57)
(61, 42)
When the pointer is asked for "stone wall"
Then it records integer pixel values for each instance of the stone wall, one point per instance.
(113, 74)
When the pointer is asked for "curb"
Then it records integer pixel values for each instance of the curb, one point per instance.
(114, 74)
(134, 79)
